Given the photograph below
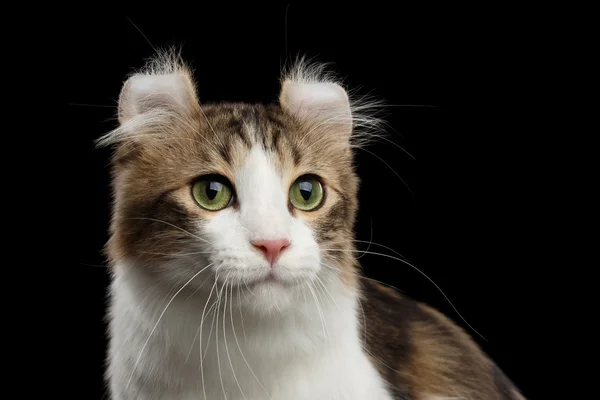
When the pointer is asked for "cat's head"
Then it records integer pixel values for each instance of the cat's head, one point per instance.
(262, 198)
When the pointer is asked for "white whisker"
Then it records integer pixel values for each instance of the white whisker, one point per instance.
(225, 337)
(321, 316)
(158, 321)
(217, 339)
(422, 273)
(242, 354)
(174, 226)
(320, 282)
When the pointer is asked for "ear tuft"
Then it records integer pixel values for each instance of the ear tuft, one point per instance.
(165, 83)
(314, 97)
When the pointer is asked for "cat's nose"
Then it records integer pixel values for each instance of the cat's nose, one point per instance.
(271, 248)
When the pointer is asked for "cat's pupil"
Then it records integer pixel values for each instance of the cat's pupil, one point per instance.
(212, 189)
(305, 190)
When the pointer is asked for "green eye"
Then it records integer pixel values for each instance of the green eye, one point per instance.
(212, 193)
(306, 193)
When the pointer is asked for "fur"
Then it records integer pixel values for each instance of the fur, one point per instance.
(196, 312)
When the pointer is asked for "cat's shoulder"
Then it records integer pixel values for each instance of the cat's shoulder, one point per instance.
(418, 350)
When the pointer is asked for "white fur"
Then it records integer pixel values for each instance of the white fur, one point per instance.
(298, 340)
(318, 102)
(147, 92)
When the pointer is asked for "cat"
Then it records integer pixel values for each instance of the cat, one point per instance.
(233, 268)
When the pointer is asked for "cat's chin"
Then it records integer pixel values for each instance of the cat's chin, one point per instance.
(268, 296)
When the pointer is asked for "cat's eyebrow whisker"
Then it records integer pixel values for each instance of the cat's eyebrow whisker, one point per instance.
(362, 137)
(189, 125)
(375, 138)
(211, 127)
(158, 321)
(419, 271)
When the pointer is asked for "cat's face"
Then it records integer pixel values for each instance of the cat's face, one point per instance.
(259, 198)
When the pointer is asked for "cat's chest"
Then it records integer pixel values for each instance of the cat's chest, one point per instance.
(340, 370)
(333, 376)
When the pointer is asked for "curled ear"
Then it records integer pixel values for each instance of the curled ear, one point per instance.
(165, 84)
(315, 99)
(156, 101)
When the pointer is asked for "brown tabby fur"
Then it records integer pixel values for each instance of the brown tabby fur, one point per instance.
(416, 349)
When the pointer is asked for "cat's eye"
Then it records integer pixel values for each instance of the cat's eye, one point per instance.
(212, 192)
(306, 193)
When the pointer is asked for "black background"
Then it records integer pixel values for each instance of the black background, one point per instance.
(465, 221)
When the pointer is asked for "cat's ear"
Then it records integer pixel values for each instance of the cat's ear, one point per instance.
(165, 85)
(316, 100)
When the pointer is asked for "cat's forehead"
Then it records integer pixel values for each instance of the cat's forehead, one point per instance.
(220, 139)
(251, 125)
(231, 131)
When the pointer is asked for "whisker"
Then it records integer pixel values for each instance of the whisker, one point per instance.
(384, 246)
(201, 318)
(93, 265)
(329, 293)
(395, 144)
(242, 353)
(225, 337)
(196, 335)
(90, 105)
(389, 166)
(208, 342)
(404, 105)
(159, 319)
(142, 33)
(422, 273)
(173, 226)
(217, 338)
(241, 315)
(360, 276)
(321, 316)
(198, 288)
(362, 309)
(211, 127)
(370, 237)
(305, 300)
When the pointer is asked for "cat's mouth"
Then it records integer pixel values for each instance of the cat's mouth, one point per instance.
(266, 278)
(270, 279)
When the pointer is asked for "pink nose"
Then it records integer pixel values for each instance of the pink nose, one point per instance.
(271, 248)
